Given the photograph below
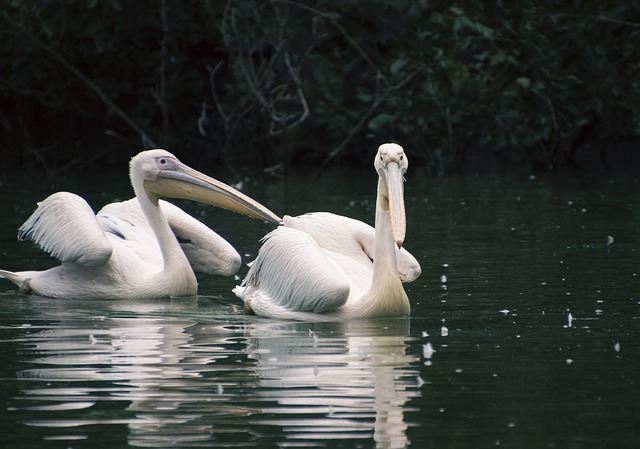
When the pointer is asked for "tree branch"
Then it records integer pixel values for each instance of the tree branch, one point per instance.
(377, 102)
(146, 140)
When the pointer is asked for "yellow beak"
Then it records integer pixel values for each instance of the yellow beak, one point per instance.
(395, 196)
(186, 183)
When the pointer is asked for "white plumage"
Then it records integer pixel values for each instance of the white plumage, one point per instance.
(322, 266)
(205, 249)
(140, 248)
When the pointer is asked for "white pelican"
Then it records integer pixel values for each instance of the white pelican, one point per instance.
(129, 250)
(322, 266)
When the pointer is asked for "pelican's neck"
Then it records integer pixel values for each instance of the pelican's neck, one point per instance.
(172, 254)
(386, 296)
(384, 253)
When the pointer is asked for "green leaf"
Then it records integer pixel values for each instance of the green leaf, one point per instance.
(524, 82)
(397, 65)
(380, 121)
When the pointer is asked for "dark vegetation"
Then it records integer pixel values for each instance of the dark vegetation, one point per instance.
(528, 84)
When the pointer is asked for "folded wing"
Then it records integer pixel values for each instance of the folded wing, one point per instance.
(292, 272)
(206, 251)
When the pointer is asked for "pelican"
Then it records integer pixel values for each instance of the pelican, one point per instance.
(321, 266)
(129, 249)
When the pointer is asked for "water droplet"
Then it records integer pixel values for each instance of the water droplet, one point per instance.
(427, 350)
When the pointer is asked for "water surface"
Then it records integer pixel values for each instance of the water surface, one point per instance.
(525, 331)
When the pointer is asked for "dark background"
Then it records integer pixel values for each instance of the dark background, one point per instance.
(529, 85)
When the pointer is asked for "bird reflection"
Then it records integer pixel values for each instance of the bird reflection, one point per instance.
(343, 378)
(175, 379)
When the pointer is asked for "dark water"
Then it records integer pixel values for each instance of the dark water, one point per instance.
(525, 332)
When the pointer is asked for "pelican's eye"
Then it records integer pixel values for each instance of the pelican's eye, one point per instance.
(165, 163)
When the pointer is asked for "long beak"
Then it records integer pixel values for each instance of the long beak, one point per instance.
(395, 195)
(186, 183)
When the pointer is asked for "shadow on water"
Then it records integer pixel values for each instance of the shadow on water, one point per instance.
(174, 379)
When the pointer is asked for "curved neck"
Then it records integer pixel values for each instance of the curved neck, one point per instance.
(172, 254)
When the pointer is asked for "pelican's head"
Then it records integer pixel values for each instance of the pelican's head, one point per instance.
(391, 164)
(160, 174)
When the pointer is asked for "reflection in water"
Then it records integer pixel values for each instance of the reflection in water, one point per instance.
(344, 379)
(175, 380)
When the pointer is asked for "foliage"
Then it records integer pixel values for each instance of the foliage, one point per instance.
(523, 83)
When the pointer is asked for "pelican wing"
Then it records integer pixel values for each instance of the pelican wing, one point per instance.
(65, 226)
(292, 272)
(206, 251)
(352, 238)
(336, 233)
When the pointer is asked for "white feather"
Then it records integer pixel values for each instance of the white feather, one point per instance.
(65, 226)
(206, 250)
(300, 257)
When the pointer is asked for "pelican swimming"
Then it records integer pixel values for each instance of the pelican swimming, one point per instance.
(322, 266)
(132, 249)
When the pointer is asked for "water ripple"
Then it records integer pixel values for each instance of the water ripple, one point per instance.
(178, 382)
